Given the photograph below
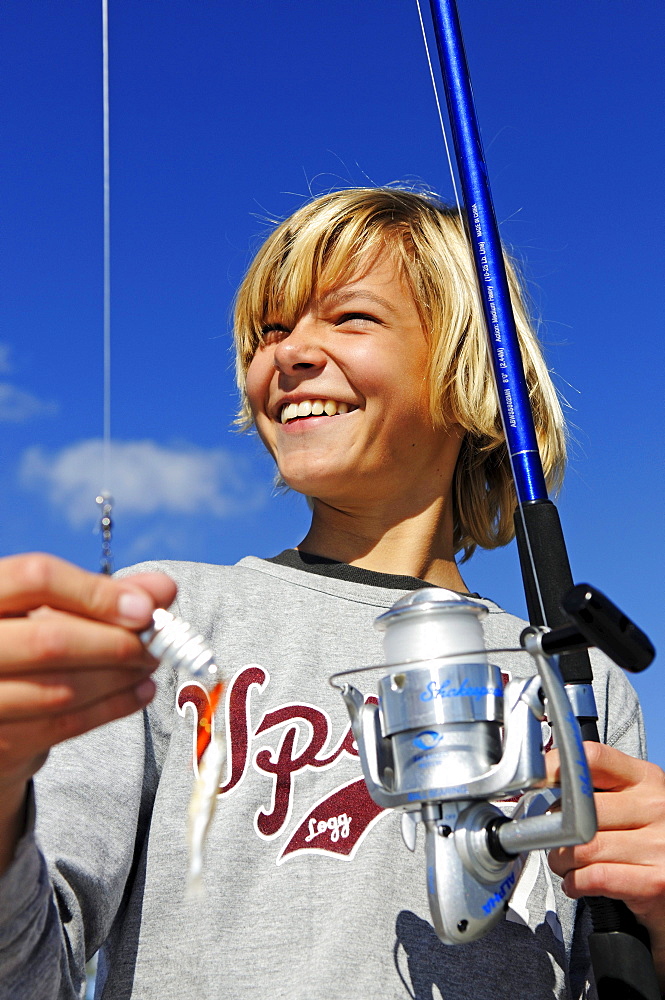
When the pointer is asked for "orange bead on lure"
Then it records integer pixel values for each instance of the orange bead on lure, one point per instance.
(206, 724)
(176, 644)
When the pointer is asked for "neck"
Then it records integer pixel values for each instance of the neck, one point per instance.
(417, 543)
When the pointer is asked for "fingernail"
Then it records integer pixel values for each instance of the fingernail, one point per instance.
(144, 691)
(135, 607)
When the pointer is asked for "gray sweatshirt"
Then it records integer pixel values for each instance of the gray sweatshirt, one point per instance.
(308, 890)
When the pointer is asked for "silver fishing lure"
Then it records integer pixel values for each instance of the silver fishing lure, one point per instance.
(175, 643)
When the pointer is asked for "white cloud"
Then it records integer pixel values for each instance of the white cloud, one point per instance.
(5, 364)
(17, 405)
(146, 477)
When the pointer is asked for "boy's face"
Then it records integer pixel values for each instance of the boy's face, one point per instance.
(341, 399)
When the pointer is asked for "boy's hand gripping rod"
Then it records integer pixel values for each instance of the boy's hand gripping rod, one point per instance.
(619, 945)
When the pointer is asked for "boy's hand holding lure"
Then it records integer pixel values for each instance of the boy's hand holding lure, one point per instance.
(70, 660)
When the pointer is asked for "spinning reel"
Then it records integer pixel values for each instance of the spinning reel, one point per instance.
(433, 747)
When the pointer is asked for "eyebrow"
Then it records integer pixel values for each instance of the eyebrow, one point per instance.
(339, 296)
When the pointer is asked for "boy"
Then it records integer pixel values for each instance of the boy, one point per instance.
(362, 363)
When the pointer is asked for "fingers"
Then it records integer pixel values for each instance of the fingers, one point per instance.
(56, 641)
(40, 696)
(613, 770)
(610, 768)
(24, 744)
(159, 586)
(637, 807)
(610, 847)
(641, 785)
(632, 798)
(641, 887)
(29, 581)
(640, 884)
(70, 658)
(626, 858)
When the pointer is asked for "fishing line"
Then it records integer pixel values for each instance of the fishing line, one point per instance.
(107, 247)
(439, 111)
(516, 479)
(104, 500)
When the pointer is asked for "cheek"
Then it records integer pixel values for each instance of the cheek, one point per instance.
(374, 372)
(397, 383)
(257, 386)
(258, 381)
(388, 366)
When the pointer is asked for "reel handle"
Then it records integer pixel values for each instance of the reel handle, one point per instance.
(596, 621)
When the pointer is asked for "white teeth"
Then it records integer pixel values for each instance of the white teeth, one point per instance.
(314, 408)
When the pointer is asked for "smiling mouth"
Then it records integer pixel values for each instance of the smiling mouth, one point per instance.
(313, 408)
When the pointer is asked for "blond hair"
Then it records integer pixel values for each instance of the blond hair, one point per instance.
(327, 241)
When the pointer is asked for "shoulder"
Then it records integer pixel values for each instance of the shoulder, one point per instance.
(185, 574)
(202, 587)
(193, 576)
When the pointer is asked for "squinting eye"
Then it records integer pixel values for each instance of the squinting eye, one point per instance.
(273, 333)
(267, 327)
(356, 317)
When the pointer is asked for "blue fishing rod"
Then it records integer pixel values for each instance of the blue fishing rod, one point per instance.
(619, 946)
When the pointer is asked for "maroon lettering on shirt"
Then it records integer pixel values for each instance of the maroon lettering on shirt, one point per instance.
(290, 758)
(338, 822)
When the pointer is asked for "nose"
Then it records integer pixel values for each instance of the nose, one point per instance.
(300, 351)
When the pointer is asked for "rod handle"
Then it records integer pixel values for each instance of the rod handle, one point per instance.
(622, 966)
(546, 574)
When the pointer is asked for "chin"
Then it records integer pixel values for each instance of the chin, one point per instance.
(307, 485)
(317, 487)
(307, 476)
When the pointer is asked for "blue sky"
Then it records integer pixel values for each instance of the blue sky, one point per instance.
(224, 117)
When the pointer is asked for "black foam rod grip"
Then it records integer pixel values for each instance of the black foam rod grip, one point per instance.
(622, 967)
(547, 576)
(605, 626)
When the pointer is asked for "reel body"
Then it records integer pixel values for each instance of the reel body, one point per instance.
(433, 747)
